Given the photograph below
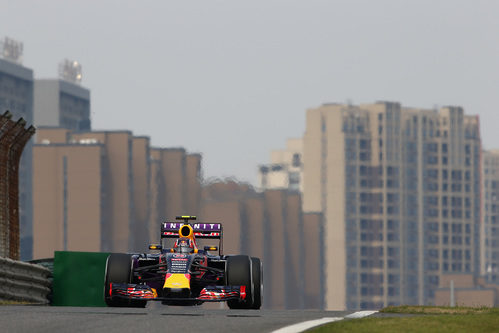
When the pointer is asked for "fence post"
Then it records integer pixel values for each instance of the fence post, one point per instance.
(452, 299)
(13, 138)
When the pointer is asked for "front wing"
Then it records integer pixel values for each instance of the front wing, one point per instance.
(207, 294)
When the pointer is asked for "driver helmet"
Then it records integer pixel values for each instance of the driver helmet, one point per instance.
(183, 245)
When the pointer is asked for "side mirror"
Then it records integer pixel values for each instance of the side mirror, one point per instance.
(155, 247)
(210, 248)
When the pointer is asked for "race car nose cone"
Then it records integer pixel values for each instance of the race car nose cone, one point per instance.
(177, 281)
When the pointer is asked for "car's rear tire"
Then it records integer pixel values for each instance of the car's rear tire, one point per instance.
(238, 273)
(119, 270)
(257, 273)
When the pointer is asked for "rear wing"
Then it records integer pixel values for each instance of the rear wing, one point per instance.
(201, 230)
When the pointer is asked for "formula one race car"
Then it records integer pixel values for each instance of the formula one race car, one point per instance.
(184, 274)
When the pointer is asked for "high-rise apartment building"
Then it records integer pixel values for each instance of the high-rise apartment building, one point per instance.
(70, 198)
(285, 170)
(63, 102)
(270, 225)
(179, 179)
(103, 191)
(490, 226)
(118, 184)
(16, 95)
(400, 192)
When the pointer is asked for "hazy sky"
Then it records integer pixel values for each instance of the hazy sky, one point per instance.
(232, 79)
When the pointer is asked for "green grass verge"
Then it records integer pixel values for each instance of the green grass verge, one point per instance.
(416, 309)
(427, 319)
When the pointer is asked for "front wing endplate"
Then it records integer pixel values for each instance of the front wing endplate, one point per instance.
(207, 294)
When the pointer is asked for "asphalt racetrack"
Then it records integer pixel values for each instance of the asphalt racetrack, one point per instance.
(154, 318)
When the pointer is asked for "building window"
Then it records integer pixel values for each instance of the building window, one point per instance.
(364, 144)
(364, 156)
(431, 159)
(276, 167)
(432, 147)
(296, 160)
(457, 175)
(392, 237)
(457, 254)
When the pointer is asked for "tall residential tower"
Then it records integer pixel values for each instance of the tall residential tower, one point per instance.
(490, 226)
(399, 189)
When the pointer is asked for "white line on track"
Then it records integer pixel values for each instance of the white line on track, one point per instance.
(360, 314)
(300, 327)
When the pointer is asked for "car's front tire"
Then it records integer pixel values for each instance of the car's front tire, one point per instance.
(238, 273)
(257, 275)
(119, 270)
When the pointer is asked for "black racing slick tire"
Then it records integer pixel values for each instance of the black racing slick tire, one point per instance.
(238, 273)
(119, 270)
(257, 273)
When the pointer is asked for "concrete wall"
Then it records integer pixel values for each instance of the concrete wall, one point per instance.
(471, 297)
(335, 242)
(255, 224)
(229, 213)
(270, 226)
(172, 163)
(469, 290)
(46, 102)
(294, 247)
(155, 186)
(51, 135)
(140, 192)
(460, 280)
(192, 183)
(66, 199)
(274, 259)
(312, 162)
(313, 264)
(134, 188)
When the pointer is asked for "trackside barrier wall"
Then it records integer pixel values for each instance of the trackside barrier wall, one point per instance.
(21, 281)
(79, 278)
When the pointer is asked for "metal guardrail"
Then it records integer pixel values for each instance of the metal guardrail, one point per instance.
(22, 281)
(46, 262)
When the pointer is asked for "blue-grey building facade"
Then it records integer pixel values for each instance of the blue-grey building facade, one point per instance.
(16, 95)
(60, 103)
